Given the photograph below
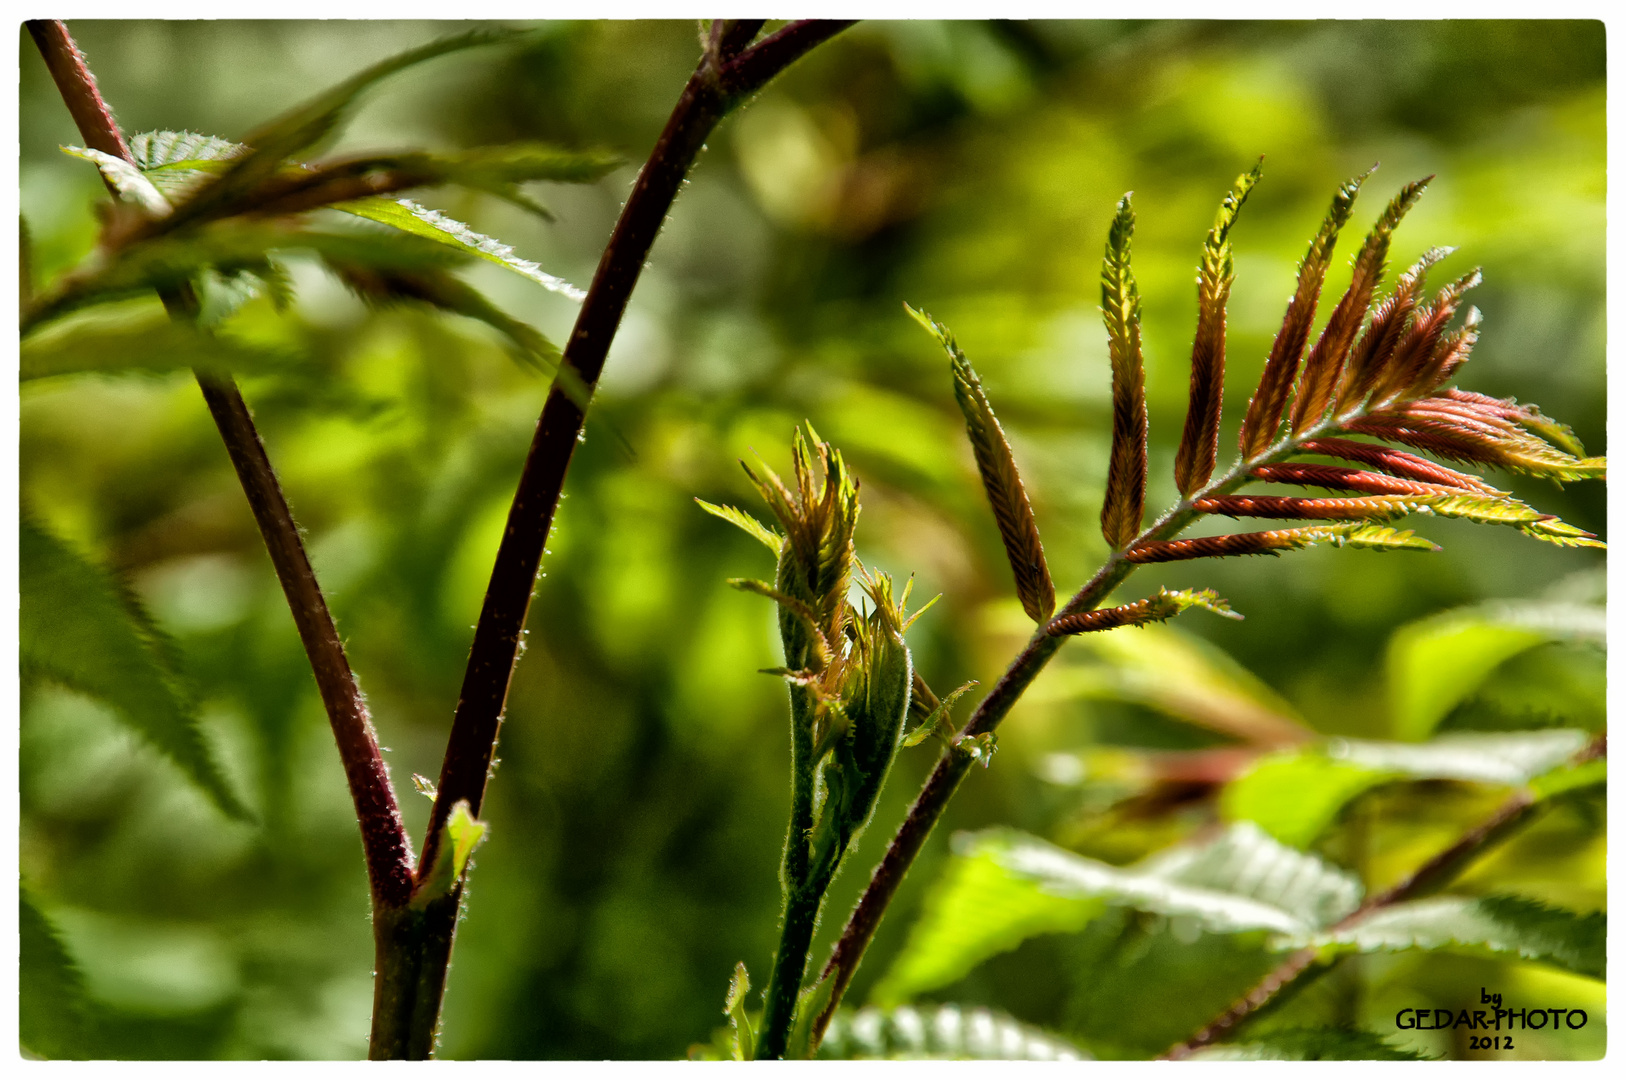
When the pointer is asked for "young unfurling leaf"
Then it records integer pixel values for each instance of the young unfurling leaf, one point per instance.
(1199, 444)
(1390, 321)
(1124, 503)
(937, 713)
(308, 124)
(1165, 605)
(461, 834)
(742, 1037)
(751, 526)
(1325, 363)
(1418, 355)
(1003, 484)
(1360, 534)
(1265, 410)
(1338, 478)
(1396, 463)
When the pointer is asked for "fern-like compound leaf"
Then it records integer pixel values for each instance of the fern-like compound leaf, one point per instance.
(1325, 364)
(1013, 512)
(409, 217)
(750, 525)
(1199, 443)
(79, 627)
(939, 1032)
(1264, 414)
(1123, 506)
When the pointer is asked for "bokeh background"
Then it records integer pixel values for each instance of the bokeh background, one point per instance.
(969, 168)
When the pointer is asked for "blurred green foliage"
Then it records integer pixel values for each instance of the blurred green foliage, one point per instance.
(970, 168)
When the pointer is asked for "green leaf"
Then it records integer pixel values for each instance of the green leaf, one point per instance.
(1486, 509)
(739, 518)
(1493, 926)
(1487, 758)
(79, 626)
(180, 150)
(459, 837)
(1437, 662)
(126, 179)
(1183, 676)
(937, 720)
(409, 217)
(1239, 882)
(976, 910)
(178, 163)
(149, 342)
(809, 1004)
(1243, 862)
(743, 1038)
(311, 122)
(1377, 538)
(1295, 796)
(51, 992)
(440, 289)
(1567, 779)
(1309, 1044)
(227, 248)
(939, 1032)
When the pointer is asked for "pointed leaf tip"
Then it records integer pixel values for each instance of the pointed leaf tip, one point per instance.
(1123, 505)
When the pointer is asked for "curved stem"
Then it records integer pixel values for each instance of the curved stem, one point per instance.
(801, 906)
(389, 857)
(1519, 810)
(721, 82)
(951, 769)
(715, 88)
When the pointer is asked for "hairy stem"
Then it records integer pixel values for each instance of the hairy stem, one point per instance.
(714, 89)
(720, 83)
(1518, 811)
(951, 769)
(389, 857)
(804, 885)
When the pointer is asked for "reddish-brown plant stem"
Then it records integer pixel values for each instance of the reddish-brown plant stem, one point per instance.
(943, 783)
(417, 980)
(717, 85)
(1517, 811)
(389, 858)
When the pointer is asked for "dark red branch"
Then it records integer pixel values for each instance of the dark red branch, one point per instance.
(1519, 810)
(712, 91)
(389, 859)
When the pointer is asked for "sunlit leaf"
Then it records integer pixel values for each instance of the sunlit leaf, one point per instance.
(1239, 882)
(752, 527)
(1492, 926)
(743, 1036)
(1295, 796)
(51, 992)
(1572, 779)
(311, 122)
(461, 834)
(409, 217)
(150, 342)
(126, 179)
(1435, 663)
(1309, 1044)
(949, 1032)
(976, 910)
(1183, 676)
(80, 627)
